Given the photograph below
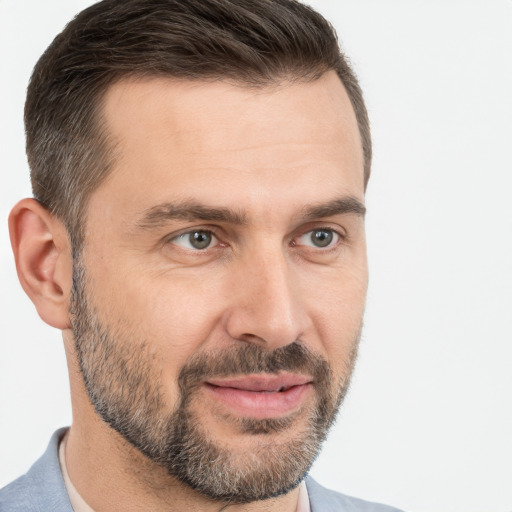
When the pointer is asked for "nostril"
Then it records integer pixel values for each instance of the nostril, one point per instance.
(251, 338)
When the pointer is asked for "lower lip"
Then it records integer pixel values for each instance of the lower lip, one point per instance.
(258, 404)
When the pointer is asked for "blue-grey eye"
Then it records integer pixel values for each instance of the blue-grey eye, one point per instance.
(322, 237)
(199, 239)
(318, 238)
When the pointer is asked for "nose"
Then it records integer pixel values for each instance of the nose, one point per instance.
(266, 307)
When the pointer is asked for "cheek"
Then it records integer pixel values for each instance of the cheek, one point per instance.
(337, 310)
(171, 318)
(171, 313)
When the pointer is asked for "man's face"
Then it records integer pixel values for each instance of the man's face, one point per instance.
(219, 296)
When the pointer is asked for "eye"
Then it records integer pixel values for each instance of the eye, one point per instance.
(319, 238)
(199, 239)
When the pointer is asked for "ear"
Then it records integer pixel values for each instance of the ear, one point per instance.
(43, 260)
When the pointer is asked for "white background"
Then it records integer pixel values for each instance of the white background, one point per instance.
(428, 423)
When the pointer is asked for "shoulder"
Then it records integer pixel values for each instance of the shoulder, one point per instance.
(41, 488)
(325, 500)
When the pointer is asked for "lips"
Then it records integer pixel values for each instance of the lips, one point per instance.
(261, 396)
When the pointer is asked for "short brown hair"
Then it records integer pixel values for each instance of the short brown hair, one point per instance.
(251, 42)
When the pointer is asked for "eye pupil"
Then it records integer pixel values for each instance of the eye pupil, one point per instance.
(321, 237)
(200, 239)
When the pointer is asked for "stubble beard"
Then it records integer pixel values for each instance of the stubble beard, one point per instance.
(122, 382)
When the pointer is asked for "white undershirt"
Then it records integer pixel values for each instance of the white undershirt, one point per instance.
(303, 502)
(80, 505)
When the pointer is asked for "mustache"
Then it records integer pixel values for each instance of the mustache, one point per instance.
(251, 359)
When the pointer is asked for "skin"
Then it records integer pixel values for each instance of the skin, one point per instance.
(267, 154)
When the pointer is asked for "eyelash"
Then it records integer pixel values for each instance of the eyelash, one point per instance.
(208, 231)
(338, 238)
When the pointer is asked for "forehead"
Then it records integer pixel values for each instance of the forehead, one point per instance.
(173, 135)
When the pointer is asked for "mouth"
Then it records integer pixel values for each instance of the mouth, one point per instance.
(261, 396)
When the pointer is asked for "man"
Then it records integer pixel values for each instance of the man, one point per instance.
(197, 234)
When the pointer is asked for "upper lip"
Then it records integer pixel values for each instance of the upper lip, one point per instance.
(261, 382)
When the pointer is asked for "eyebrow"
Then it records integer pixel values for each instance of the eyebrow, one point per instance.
(189, 211)
(157, 216)
(341, 206)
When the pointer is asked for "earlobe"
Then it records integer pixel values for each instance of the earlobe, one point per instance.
(43, 260)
